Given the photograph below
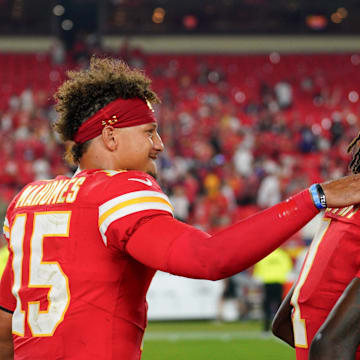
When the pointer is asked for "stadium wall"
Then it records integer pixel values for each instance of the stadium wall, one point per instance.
(203, 44)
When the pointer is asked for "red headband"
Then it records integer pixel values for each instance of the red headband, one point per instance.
(119, 113)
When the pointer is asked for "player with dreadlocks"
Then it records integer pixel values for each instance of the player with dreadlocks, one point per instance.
(320, 316)
(83, 250)
(355, 162)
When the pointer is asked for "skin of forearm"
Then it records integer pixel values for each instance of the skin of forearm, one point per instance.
(6, 350)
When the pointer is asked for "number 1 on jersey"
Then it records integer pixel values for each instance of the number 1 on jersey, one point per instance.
(48, 275)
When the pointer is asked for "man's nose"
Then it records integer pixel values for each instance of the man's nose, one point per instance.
(158, 144)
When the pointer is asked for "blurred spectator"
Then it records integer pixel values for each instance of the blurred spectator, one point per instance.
(27, 100)
(58, 53)
(80, 51)
(337, 129)
(4, 254)
(180, 203)
(235, 290)
(284, 94)
(273, 272)
(308, 141)
(269, 192)
(243, 158)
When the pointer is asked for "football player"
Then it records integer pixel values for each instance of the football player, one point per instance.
(320, 316)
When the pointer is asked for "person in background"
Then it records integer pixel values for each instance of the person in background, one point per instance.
(4, 254)
(273, 272)
(180, 202)
(320, 316)
(269, 192)
(235, 288)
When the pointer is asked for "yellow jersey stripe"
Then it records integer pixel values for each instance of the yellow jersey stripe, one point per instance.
(6, 231)
(129, 196)
(140, 200)
(128, 210)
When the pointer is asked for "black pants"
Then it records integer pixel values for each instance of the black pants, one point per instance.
(272, 299)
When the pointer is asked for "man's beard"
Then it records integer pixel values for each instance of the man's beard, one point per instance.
(153, 170)
(153, 174)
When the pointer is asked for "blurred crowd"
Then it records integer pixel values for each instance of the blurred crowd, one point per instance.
(242, 132)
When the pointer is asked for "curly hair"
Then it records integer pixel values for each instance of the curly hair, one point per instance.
(87, 91)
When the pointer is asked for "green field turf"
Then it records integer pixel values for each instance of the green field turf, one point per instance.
(211, 341)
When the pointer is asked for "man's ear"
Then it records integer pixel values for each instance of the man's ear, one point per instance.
(109, 138)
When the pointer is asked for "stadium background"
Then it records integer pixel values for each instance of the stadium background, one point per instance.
(259, 100)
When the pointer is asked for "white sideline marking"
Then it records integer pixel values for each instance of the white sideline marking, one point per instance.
(204, 335)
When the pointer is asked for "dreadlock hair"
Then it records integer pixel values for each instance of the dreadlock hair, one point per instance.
(355, 162)
(87, 91)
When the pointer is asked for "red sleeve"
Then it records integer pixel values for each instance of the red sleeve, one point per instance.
(130, 197)
(7, 299)
(166, 244)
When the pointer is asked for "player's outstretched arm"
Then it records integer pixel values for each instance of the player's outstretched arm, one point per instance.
(282, 324)
(6, 342)
(167, 245)
(339, 336)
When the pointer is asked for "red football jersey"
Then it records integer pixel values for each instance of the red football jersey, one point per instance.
(333, 260)
(74, 291)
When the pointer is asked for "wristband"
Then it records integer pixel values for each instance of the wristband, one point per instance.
(318, 196)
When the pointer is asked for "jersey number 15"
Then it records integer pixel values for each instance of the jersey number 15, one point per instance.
(42, 274)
